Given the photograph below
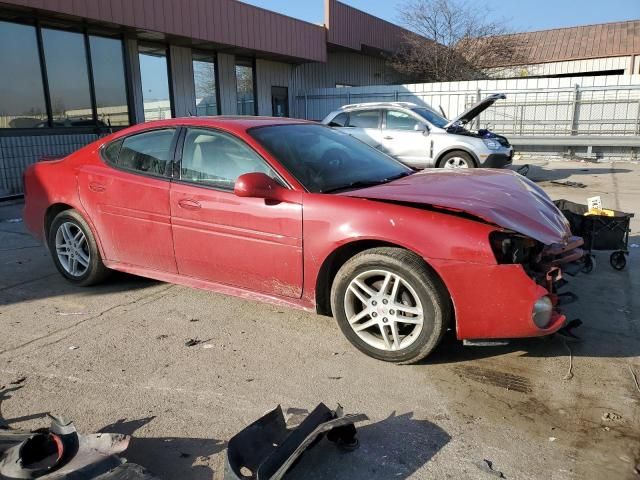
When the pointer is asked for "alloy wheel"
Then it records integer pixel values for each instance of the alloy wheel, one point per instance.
(456, 162)
(384, 310)
(72, 249)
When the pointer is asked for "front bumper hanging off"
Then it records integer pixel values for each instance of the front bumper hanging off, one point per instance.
(266, 449)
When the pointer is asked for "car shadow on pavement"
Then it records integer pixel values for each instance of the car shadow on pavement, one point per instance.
(168, 457)
(56, 286)
(589, 344)
(395, 447)
(552, 173)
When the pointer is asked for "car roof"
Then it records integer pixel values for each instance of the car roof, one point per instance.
(358, 106)
(235, 123)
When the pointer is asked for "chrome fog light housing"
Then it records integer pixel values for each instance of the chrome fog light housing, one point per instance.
(542, 311)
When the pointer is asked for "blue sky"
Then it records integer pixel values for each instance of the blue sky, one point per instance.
(521, 15)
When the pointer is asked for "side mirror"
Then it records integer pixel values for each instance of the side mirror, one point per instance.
(421, 127)
(258, 185)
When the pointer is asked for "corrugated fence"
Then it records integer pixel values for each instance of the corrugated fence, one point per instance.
(543, 107)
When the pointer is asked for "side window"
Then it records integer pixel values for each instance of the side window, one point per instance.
(148, 152)
(400, 121)
(339, 120)
(364, 119)
(218, 159)
(112, 151)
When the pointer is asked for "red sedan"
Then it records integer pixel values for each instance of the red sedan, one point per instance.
(294, 213)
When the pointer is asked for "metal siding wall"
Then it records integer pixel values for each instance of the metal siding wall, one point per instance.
(226, 22)
(345, 68)
(352, 28)
(227, 86)
(135, 83)
(17, 153)
(184, 95)
(271, 74)
(563, 68)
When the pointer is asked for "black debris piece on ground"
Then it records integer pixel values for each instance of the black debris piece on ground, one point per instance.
(524, 170)
(59, 452)
(569, 183)
(19, 381)
(267, 448)
(162, 337)
(567, 330)
(192, 342)
(487, 467)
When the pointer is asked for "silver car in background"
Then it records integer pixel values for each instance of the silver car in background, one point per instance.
(420, 137)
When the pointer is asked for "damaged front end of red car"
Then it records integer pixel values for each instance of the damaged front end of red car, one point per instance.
(546, 265)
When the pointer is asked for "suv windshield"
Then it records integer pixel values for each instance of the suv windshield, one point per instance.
(431, 116)
(327, 160)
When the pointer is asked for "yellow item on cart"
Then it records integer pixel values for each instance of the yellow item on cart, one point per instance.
(603, 212)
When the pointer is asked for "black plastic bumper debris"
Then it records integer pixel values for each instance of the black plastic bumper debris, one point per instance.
(266, 449)
(61, 453)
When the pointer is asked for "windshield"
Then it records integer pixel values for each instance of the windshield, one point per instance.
(431, 116)
(326, 160)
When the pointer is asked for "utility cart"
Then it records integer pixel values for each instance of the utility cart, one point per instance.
(600, 232)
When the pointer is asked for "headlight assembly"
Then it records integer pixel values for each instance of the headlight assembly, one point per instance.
(491, 143)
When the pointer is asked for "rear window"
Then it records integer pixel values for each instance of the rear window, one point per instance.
(364, 119)
(148, 152)
(112, 151)
(339, 120)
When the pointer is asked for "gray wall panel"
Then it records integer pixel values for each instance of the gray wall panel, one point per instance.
(135, 83)
(271, 74)
(227, 86)
(184, 95)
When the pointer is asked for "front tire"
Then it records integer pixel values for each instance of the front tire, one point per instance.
(456, 160)
(390, 305)
(74, 250)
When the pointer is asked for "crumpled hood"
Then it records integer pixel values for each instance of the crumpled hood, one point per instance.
(500, 197)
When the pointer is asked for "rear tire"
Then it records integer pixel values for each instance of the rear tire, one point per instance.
(456, 159)
(390, 305)
(74, 250)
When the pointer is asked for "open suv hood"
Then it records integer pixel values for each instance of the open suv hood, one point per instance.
(500, 197)
(471, 113)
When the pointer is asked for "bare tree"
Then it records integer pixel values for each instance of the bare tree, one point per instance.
(453, 40)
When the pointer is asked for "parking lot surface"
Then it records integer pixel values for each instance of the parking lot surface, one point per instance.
(114, 358)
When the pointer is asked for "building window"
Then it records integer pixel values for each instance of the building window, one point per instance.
(107, 62)
(204, 79)
(68, 77)
(74, 95)
(245, 89)
(154, 74)
(22, 103)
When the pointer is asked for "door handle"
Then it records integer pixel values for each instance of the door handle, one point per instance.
(97, 187)
(189, 204)
(388, 137)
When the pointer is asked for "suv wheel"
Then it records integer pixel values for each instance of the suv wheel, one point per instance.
(457, 159)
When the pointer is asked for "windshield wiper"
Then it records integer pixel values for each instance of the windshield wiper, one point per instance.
(366, 183)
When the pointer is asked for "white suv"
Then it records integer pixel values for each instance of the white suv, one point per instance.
(420, 137)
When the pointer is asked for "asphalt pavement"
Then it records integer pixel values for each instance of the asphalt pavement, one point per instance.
(114, 358)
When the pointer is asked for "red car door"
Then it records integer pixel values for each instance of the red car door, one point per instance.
(127, 198)
(220, 237)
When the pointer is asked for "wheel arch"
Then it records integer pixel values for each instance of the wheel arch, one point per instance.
(458, 148)
(338, 257)
(56, 208)
(52, 212)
